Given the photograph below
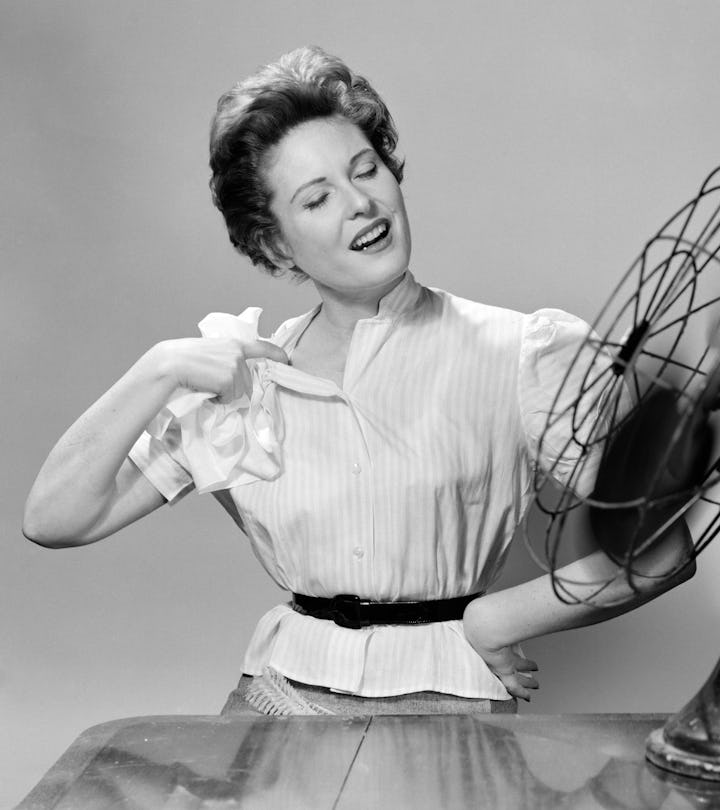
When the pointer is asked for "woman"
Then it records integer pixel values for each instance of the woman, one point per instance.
(377, 450)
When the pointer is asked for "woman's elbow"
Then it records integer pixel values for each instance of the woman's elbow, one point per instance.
(682, 572)
(682, 555)
(36, 534)
(41, 530)
(675, 561)
(687, 571)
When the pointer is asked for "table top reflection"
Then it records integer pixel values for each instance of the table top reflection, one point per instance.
(429, 761)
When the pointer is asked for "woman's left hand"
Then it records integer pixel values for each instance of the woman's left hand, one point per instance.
(512, 669)
(484, 629)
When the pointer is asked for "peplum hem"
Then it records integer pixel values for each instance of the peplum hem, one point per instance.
(377, 661)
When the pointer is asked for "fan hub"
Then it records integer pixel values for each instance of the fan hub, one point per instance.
(630, 347)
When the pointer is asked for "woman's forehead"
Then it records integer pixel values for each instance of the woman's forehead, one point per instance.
(313, 148)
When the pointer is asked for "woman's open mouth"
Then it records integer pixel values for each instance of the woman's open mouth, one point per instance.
(374, 236)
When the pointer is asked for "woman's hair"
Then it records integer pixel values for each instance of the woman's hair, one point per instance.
(257, 113)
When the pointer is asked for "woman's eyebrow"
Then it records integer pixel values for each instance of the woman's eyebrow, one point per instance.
(353, 160)
(362, 153)
(305, 185)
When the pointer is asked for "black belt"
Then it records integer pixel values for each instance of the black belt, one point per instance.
(349, 610)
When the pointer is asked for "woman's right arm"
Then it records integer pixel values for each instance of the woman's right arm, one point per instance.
(88, 488)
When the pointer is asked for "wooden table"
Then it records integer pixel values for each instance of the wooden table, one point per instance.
(436, 762)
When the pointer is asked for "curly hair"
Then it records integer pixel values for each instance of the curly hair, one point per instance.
(258, 112)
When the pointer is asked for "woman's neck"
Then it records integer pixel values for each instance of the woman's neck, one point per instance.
(341, 310)
(323, 347)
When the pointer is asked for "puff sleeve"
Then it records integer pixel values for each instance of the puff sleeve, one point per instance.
(195, 441)
(562, 375)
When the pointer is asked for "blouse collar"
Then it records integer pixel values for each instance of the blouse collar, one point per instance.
(401, 299)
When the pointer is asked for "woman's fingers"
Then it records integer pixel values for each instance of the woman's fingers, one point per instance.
(242, 378)
(525, 681)
(525, 665)
(518, 684)
(513, 670)
(240, 383)
(516, 688)
(528, 681)
(264, 348)
(217, 365)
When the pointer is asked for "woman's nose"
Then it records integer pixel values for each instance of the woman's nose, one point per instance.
(359, 202)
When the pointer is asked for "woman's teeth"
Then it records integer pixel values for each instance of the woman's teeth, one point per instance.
(377, 233)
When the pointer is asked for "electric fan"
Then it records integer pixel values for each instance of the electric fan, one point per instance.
(630, 436)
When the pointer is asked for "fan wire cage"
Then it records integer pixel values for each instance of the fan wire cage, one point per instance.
(652, 354)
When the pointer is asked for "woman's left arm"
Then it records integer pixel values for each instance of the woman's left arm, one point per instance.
(496, 622)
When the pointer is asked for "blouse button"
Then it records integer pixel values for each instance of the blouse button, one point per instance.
(358, 553)
(356, 469)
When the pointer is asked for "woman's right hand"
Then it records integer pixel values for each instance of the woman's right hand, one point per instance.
(214, 365)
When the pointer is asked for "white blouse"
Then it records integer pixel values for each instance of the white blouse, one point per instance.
(406, 483)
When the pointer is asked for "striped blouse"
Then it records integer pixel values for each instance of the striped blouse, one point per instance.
(405, 484)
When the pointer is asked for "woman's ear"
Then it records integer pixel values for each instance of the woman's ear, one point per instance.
(276, 250)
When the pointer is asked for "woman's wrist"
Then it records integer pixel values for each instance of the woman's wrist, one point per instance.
(160, 364)
(159, 370)
(482, 624)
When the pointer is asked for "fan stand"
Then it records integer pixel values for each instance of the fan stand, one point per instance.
(689, 743)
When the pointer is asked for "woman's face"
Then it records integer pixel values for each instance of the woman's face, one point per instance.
(339, 209)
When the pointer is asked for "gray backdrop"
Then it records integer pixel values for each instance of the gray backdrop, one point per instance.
(545, 142)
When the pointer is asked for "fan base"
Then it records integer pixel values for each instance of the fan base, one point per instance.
(666, 756)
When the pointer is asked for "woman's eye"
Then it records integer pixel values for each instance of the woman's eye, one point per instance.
(371, 171)
(316, 202)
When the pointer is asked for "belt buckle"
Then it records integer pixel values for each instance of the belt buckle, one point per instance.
(345, 610)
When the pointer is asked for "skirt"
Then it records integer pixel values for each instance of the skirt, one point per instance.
(272, 693)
